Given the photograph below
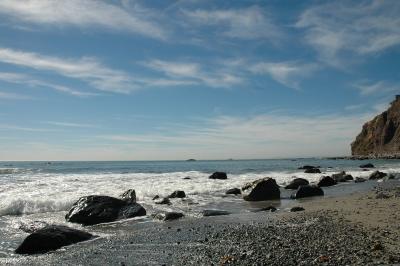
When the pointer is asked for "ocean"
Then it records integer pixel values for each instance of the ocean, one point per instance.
(44, 191)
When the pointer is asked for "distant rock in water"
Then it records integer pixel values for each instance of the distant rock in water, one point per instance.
(312, 171)
(177, 194)
(95, 209)
(262, 189)
(190, 160)
(295, 183)
(367, 165)
(218, 175)
(50, 238)
(380, 137)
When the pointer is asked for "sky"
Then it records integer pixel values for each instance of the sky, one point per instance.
(172, 80)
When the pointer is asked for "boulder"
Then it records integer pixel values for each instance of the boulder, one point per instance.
(218, 175)
(163, 201)
(95, 209)
(377, 175)
(215, 212)
(129, 196)
(342, 177)
(312, 171)
(306, 167)
(50, 238)
(326, 181)
(368, 165)
(359, 180)
(234, 191)
(262, 189)
(168, 216)
(295, 183)
(297, 209)
(177, 194)
(307, 191)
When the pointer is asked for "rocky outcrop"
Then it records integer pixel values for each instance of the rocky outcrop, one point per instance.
(262, 189)
(326, 181)
(50, 238)
(96, 209)
(295, 183)
(380, 137)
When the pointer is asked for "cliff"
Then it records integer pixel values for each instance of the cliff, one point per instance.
(380, 137)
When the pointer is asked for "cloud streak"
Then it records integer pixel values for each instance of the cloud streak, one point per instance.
(83, 14)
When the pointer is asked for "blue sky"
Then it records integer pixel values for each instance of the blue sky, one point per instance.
(156, 80)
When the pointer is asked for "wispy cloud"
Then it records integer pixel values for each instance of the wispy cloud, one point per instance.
(287, 73)
(86, 69)
(244, 23)
(84, 14)
(25, 79)
(346, 30)
(22, 128)
(13, 96)
(195, 73)
(380, 87)
(68, 124)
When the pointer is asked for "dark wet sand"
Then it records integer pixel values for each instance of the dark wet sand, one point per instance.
(358, 229)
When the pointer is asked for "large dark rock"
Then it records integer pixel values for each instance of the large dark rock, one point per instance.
(342, 177)
(326, 181)
(312, 171)
(218, 175)
(380, 137)
(50, 238)
(295, 183)
(262, 189)
(234, 191)
(177, 194)
(307, 191)
(367, 165)
(377, 175)
(95, 209)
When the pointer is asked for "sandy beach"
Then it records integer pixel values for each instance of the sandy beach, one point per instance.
(360, 228)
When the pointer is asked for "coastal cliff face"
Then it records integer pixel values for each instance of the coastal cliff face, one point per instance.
(380, 136)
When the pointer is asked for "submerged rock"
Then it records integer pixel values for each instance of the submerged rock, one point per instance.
(368, 165)
(168, 216)
(262, 189)
(218, 175)
(326, 181)
(307, 191)
(50, 238)
(312, 171)
(177, 194)
(342, 177)
(234, 191)
(215, 212)
(295, 183)
(377, 175)
(95, 209)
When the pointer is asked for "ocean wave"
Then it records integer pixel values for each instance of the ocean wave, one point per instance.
(22, 206)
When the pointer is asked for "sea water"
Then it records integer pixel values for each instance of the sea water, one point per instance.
(44, 191)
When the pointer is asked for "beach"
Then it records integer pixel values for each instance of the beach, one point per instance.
(353, 224)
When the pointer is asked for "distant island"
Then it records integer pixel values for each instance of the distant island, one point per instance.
(190, 160)
(380, 137)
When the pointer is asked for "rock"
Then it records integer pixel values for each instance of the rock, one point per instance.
(50, 238)
(177, 194)
(342, 177)
(377, 175)
(168, 216)
(326, 181)
(269, 208)
(380, 137)
(307, 191)
(262, 189)
(95, 209)
(359, 180)
(186, 178)
(368, 165)
(190, 160)
(295, 183)
(32, 226)
(306, 167)
(218, 175)
(163, 201)
(297, 209)
(312, 171)
(215, 212)
(234, 191)
(129, 195)
(156, 197)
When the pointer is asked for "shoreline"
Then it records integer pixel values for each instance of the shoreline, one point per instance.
(328, 231)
